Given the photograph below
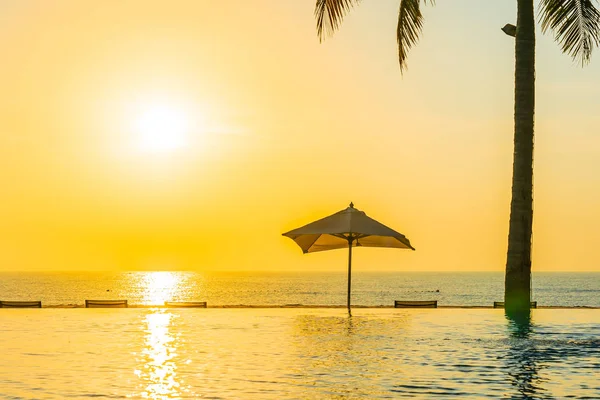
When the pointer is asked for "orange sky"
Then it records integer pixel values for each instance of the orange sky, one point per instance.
(281, 130)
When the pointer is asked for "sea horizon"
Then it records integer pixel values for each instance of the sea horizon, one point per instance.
(309, 288)
(298, 271)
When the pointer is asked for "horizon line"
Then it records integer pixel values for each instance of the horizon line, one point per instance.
(285, 271)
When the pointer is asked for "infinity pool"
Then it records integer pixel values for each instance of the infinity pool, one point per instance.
(298, 354)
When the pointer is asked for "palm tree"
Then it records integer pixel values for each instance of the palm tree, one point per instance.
(576, 27)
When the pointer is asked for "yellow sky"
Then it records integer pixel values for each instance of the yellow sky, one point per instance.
(281, 130)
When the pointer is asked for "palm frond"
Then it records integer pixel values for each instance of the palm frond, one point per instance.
(329, 15)
(575, 23)
(410, 25)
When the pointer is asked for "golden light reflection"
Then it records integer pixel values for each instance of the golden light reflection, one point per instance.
(159, 370)
(160, 286)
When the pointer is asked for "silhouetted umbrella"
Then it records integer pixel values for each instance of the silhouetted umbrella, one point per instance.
(346, 228)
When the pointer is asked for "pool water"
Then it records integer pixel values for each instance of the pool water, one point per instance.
(298, 354)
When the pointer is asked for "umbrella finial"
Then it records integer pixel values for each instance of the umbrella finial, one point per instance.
(351, 205)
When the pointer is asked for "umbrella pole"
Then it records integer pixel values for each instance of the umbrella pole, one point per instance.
(349, 273)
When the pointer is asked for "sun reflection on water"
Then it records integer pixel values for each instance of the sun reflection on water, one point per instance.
(159, 369)
(159, 287)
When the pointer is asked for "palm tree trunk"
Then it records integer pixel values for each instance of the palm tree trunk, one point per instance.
(518, 261)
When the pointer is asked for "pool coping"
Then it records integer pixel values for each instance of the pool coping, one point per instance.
(308, 306)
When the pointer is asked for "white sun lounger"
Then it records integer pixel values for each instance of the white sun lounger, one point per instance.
(20, 304)
(500, 304)
(186, 304)
(106, 304)
(415, 304)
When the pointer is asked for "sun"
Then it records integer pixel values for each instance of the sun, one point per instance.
(161, 129)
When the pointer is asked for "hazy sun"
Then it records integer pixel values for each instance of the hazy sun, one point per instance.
(161, 129)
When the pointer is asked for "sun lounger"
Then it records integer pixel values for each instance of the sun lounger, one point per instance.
(106, 304)
(186, 304)
(20, 304)
(500, 304)
(415, 304)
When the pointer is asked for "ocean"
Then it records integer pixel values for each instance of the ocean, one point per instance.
(226, 289)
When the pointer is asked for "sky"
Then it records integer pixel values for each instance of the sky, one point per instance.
(189, 135)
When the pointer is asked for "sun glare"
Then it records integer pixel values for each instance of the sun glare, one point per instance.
(161, 129)
(160, 286)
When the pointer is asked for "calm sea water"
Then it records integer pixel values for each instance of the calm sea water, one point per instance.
(153, 288)
(218, 353)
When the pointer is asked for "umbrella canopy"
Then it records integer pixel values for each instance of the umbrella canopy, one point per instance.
(336, 230)
(347, 228)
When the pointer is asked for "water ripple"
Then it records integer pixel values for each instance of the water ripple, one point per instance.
(298, 353)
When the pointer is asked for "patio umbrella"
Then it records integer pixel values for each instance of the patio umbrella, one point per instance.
(347, 228)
